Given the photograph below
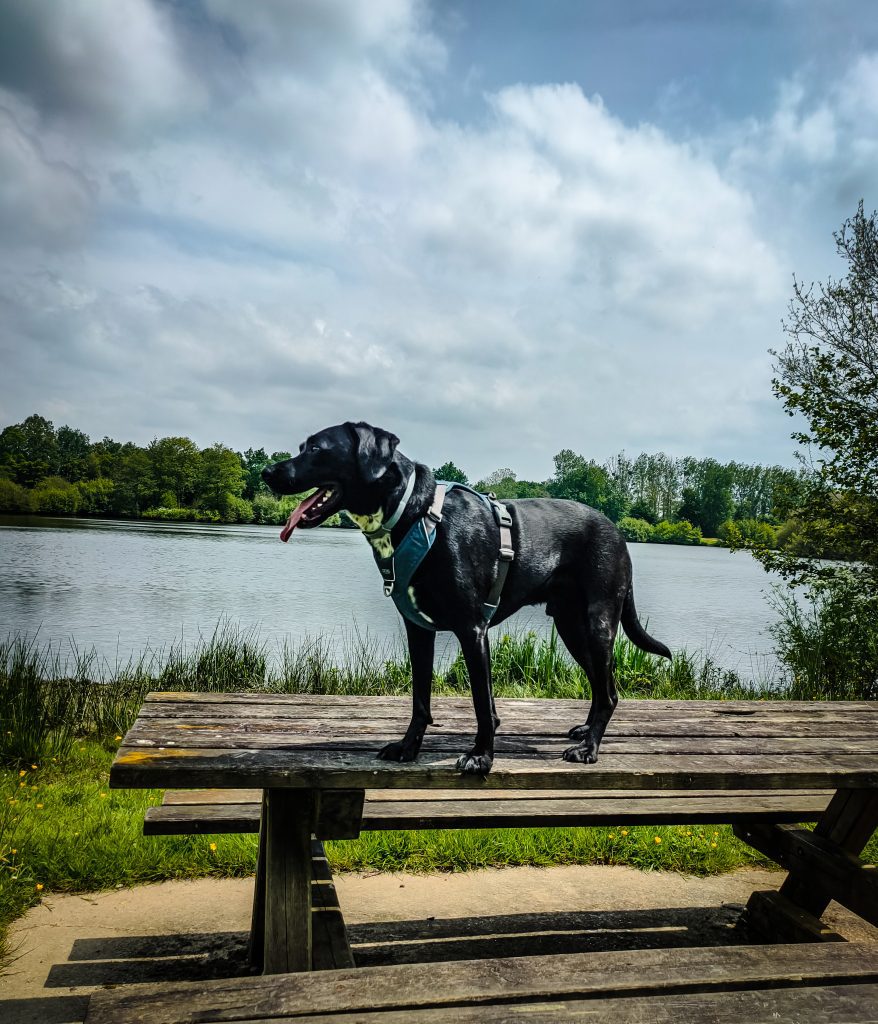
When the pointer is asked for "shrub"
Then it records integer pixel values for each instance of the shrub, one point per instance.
(238, 510)
(13, 497)
(633, 529)
(829, 646)
(738, 533)
(96, 495)
(171, 515)
(682, 532)
(55, 496)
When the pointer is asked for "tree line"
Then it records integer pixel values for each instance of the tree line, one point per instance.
(61, 471)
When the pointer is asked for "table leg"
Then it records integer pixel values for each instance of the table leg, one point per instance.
(822, 866)
(288, 819)
(257, 920)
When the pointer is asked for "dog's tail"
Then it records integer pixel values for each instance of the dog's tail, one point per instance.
(636, 633)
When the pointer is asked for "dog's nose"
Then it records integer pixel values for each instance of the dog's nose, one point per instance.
(267, 472)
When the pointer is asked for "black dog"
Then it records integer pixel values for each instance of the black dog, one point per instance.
(567, 556)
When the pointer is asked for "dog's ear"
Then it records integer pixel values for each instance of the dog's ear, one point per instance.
(375, 448)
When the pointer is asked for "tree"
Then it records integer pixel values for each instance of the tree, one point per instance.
(175, 463)
(74, 454)
(448, 471)
(29, 450)
(828, 374)
(586, 481)
(220, 477)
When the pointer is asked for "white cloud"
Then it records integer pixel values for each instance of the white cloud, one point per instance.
(276, 231)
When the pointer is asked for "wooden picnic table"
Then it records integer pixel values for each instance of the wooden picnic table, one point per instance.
(314, 758)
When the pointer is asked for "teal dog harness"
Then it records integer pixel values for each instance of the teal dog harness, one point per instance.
(398, 568)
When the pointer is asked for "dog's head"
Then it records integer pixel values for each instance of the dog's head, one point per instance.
(346, 464)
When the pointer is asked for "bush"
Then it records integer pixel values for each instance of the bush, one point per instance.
(638, 530)
(13, 497)
(55, 496)
(682, 532)
(171, 515)
(738, 533)
(238, 510)
(96, 495)
(829, 646)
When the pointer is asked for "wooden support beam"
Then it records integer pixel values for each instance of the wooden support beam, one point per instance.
(769, 913)
(820, 864)
(288, 820)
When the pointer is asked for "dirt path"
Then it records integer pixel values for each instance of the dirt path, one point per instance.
(70, 945)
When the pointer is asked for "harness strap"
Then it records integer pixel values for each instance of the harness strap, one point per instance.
(507, 554)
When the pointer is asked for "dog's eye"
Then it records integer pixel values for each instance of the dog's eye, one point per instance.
(314, 448)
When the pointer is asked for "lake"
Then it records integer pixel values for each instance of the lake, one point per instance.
(122, 586)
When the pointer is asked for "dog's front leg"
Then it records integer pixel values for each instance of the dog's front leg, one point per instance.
(477, 655)
(421, 646)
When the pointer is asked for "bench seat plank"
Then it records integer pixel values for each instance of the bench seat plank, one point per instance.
(239, 811)
(674, 984)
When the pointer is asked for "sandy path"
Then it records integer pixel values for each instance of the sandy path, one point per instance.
(70, 945)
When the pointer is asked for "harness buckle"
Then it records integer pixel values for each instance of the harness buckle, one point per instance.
(507, 554)
(435, 516)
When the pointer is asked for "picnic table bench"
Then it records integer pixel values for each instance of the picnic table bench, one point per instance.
(774, 984)
(762, 765)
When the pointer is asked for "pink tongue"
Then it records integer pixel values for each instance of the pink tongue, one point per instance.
(297, 514)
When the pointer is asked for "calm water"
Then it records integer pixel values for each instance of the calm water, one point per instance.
(120, 586)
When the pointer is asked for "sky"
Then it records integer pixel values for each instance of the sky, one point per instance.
(498, 229)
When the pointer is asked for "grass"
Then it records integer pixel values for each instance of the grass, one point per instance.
(63, 830)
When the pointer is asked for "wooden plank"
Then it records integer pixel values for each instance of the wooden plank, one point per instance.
(339, 813)
(500, 812)
(288, 816)
(256, 942)
(844, 1004)
(203, 797)
(331, 948)
(820, 863)
(771, 914)
(517, 981)
(338, 769)
(545, 746)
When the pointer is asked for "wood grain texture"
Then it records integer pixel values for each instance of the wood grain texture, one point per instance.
(515, 810)
(460, 991)
(288, 816)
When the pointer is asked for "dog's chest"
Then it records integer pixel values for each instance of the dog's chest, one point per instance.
(370, 525)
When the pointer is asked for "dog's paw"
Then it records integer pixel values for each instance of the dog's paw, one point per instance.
(474, 764)
(400, 752)
(582, 753)
(578, 733)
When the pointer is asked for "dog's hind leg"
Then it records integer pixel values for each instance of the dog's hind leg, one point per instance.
(422, 643)
(589, 636)
(477, 655)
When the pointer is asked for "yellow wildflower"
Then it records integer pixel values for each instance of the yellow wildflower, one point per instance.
(713, 846)
(39, 886)
(117, 737)
(39, 805)
(213, 845)
(612, 836)
(658, 839)
(13, 851)
(624, 831)
(103, 795)
(22, 773)
(34, 767)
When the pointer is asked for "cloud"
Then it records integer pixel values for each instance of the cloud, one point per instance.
(252, 222)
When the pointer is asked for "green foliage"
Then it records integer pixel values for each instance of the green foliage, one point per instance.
(96, 496)
(638, 530)
(448, 471)
(682, 532)
(29, 450)
(175, 464)
(737, 533)
(13, 497)
(220, 479)
(829, 645)
(587, 482)
(828, 374)
(644, 511)
(54, 496)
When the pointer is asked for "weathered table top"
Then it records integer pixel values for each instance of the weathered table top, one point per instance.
(191, 740)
